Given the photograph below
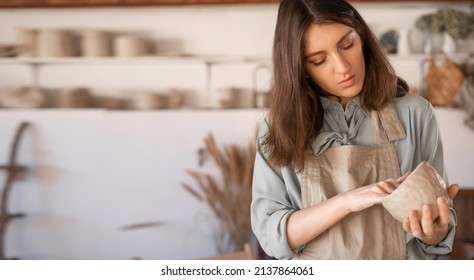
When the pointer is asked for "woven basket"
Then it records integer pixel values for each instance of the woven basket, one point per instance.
(443, 82)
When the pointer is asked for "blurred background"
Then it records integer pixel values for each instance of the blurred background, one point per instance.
(136, 113)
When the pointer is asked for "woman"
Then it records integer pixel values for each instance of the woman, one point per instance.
(340, 132)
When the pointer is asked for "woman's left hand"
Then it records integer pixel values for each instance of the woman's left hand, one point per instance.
(430, 231)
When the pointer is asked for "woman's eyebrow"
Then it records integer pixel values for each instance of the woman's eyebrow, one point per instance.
(338, 42)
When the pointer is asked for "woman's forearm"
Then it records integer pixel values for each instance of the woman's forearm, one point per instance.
(306, 224)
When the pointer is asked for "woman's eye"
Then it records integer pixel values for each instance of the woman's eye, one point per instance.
(348, 42)
(319, 62)
(347, 45)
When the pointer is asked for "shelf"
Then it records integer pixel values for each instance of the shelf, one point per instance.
(422, 56)
(183, 59)
(132, 60)
(203, 65)
(48, 110)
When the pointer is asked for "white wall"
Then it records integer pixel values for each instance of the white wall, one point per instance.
(93, 172)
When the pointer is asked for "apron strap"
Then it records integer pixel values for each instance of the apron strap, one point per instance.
(386, 126)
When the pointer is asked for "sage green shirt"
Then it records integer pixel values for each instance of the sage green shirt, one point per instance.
(277, 190)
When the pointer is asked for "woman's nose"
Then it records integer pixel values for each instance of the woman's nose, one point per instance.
(341, 64)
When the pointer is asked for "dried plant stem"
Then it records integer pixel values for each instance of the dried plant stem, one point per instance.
(230, 195)
(14, 171)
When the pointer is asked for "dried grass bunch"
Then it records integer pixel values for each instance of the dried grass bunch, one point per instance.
(230, 195)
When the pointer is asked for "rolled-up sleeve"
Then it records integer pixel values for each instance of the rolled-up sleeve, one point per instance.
(271, 204)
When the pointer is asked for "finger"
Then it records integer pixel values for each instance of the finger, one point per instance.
(444, 214)
(453, 190)
(402, 178)
(406, 225)
(388, 185)
(415, 224)
(427, 220)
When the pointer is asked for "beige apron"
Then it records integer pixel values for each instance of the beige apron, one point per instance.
(369, 234)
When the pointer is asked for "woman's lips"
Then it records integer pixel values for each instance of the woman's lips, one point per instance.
(348, 82)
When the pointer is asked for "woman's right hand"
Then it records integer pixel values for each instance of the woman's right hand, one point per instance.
(366, 196)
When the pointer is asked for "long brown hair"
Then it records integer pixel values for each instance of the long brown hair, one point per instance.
(296, 114)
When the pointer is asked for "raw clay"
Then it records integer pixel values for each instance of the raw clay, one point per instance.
(423, 186)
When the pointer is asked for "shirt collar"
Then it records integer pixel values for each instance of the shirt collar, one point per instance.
(326, 102)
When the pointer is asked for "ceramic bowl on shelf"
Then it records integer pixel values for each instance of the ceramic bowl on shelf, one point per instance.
(147, 101)
(75, 97)
(229, 97)
(174, 99)
(130, 46)
(56, 43)
(22, 98)
(96, 43)
(27, 39)
(112, 103)
(9, 50)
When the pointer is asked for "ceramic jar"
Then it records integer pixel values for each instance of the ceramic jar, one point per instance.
(27, 40)
(56, 43)
(434, 43)
(147, 101)
(449, 44)
(228, 98)
(403, 44)
(129, 46)
(96, 43)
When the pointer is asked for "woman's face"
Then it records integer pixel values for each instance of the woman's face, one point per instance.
(333, 58)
